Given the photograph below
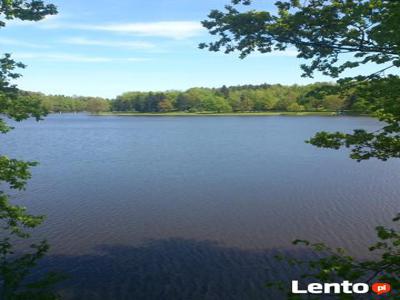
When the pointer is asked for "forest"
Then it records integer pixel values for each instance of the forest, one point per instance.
(245, 98)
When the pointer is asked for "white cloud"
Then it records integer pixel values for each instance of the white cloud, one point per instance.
(47, 21)
(65, 57)
(166, 29)
(108, 43)
(172, 29)
(18, 43)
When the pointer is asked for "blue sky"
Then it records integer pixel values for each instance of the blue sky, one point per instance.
(107, 47)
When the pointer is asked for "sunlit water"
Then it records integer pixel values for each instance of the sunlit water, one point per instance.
(194, 207)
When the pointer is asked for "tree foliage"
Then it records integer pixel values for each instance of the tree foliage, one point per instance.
(336, 265)
(96, 105)
(333, 37)
(61, 103)
(15, 220)
(246, 98)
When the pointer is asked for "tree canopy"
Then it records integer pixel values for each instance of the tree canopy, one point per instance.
(245, 98)
(15, 221)
(332, 37)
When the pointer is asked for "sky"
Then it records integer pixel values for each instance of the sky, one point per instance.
(107, 47)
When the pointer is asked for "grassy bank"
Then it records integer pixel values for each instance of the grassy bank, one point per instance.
(179, 114)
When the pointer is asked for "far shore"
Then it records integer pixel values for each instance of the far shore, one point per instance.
(183, 114)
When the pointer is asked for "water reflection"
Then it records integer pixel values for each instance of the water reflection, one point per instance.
(174, 269)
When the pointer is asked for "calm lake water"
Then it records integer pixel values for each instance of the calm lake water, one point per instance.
(194, 207)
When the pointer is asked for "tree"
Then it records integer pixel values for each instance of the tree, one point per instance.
(193, 99)
(165, 105)
(216, 104)
(246, 104)
(14, 219)
(295, 107)
(333, 102)
(97, 105)
(336, 265)
(326, 33)
(224, 91)
(239, 98)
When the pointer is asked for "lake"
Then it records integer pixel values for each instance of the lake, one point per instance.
(194, 207)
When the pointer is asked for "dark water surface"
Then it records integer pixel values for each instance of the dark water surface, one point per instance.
(194, 207)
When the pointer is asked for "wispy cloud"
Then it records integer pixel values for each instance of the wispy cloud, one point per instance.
(166, 29)
(65, 57)
(18, 43)
(108, 43)
(172, 29)
(47, 21)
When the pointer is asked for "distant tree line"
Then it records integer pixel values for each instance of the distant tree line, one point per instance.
(61, 103)
(246, 98)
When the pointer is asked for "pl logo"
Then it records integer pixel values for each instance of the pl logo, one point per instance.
(381, 288)
(345, 287)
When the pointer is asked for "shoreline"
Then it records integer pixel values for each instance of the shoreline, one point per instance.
(202, 114)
